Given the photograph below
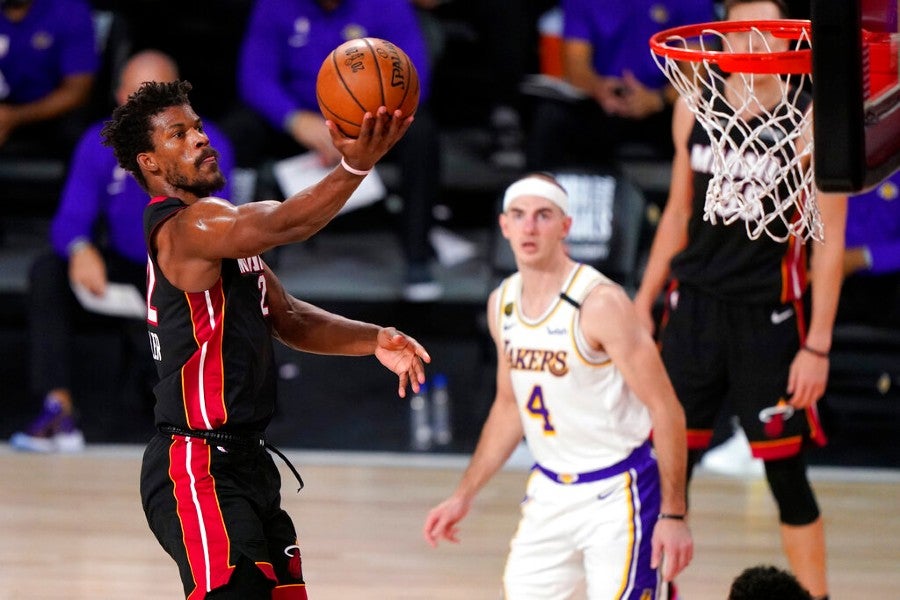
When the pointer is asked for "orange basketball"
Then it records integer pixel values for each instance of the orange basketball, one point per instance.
(361, 75)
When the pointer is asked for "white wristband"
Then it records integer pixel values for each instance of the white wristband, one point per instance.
(350, 169)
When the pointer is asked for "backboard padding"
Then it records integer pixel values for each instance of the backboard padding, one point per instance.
(856, 95)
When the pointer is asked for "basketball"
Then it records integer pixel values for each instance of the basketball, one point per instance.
(359, 76)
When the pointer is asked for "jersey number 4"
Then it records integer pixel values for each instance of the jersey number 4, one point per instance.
(538, 410)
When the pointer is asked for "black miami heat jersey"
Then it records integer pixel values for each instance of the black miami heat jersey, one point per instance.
(721, 259)
(213, 349)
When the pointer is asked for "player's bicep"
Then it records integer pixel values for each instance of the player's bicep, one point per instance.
(610, 323)
(245, 230)
(214, 229)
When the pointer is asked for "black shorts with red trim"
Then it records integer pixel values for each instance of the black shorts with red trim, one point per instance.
(722, 355)
(209, 506)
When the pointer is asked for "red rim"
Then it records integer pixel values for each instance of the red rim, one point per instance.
(789, 61)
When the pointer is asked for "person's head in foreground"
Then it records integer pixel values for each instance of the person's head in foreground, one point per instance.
(765, 582)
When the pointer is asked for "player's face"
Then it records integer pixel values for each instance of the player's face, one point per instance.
(182, 151)
(535, 227)
(744, 42)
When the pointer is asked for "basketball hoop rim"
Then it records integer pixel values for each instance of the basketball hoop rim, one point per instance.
(786, 62)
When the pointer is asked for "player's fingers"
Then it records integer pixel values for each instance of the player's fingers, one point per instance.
(417, 370)
(366, 127)
(446, 528)
(437, 527)
(404, 381)
(428, 529)
(337, 136)
(399, 124)
(803, 394)
(412, 379)
(655, 553)
(422, 353)
(402, 340)
(792, 379)
(452, 535)
(381, 128)
(684, 559)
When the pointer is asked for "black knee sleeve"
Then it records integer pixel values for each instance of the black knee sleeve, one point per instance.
(793, 494)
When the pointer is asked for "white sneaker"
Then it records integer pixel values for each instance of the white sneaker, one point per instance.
(733, 457)
(422, 291)
(419, 285)
(451, 249)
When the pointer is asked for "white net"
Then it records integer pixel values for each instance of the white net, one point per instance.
(760, 132)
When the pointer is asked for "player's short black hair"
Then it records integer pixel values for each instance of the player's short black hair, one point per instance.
(765, 582)
(129, 131)
(781, 4)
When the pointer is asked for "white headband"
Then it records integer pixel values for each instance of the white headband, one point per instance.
(536, 186)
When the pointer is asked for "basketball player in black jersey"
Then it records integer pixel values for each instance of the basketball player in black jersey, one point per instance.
(735, 329)
(209, 489)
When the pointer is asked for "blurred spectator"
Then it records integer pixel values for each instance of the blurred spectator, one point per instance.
(624, 95)
(483, 51)
(48, 61)
(217, 31)
(97, 238)
(280, 59)
(871, 290)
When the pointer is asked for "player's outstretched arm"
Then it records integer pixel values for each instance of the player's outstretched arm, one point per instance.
(214, 229)
(499, 437)
(308, 328)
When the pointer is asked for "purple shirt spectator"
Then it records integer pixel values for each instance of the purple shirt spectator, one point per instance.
(97, 189)
(619, 30)
(873, 220)
(53, 41)
(287, 40)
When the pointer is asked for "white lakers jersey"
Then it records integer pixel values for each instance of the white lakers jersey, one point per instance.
(577, 412)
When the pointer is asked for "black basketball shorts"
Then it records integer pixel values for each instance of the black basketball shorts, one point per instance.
(210, 507)
(722, 355)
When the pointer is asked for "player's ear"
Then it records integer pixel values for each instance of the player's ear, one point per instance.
(567, 226)
(147, 162)
(503, 221)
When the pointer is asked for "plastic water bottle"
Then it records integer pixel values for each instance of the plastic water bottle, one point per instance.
(440, 411)
(420, 434)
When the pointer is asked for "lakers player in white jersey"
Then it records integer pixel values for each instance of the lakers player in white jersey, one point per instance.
(582, 380)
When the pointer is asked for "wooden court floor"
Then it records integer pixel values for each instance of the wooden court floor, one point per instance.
(72, 527)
